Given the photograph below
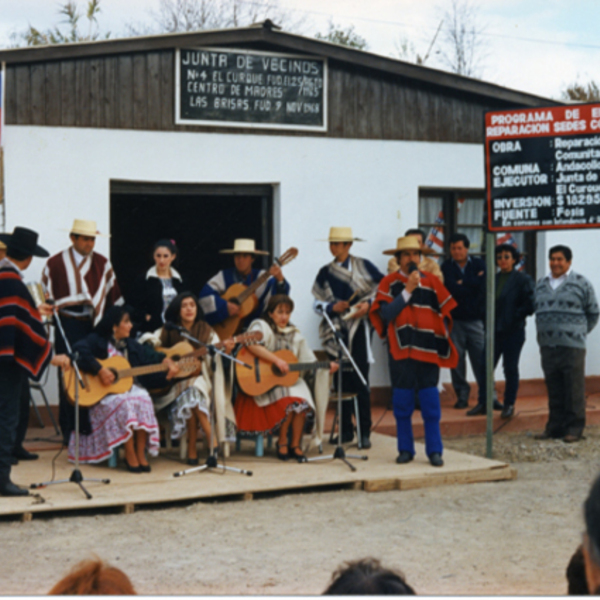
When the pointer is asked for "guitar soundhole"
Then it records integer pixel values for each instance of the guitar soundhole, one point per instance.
(116, 374)
(276, 370)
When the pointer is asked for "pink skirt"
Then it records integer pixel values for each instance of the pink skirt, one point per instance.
(113, 422)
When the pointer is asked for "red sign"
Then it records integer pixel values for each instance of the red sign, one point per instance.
(543, 168)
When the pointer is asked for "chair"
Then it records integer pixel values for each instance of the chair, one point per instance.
(35, 386)
(259, 443)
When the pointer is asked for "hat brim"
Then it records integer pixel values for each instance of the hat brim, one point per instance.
(37, 251)
(232, 251)
(338, 240)
(87, 233)
(394, 251)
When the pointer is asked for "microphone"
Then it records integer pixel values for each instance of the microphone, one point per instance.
(412, 267)
(172, 326)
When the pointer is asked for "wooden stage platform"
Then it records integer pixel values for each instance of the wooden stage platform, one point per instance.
(270, 476)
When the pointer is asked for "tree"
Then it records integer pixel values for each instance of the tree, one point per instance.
(581, 92)
(462, 44)
(35, 37)
(344, 37)
(196, 15)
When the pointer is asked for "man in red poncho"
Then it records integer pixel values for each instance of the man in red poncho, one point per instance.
(412, 309)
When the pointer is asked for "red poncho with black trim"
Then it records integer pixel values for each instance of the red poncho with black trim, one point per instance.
(421, 330)
(23, 339)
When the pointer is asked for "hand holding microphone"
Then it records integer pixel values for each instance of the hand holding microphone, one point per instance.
(414, 278)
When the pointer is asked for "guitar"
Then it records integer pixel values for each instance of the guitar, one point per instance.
(243, 295)
(182, 353)
(264, 376)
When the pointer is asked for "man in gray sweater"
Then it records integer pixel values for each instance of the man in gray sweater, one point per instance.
(565, 312)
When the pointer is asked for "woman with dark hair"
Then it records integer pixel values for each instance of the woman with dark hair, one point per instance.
(189, 399)
(282, 408)
(120, 419)
(514, 302)
(153, 292)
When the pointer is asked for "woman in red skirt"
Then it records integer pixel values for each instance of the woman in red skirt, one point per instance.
(282, 408)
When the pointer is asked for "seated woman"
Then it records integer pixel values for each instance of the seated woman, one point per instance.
(153, 292)
(189, 398)
(126, 418)
(282, 408)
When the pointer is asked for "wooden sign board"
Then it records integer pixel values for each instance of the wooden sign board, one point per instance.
(543, 168)
(239, 88)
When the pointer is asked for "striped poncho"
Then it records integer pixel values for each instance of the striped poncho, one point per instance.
(419, 330)
(23, 339)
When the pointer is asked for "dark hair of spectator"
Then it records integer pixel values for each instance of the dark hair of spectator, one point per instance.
(93, 578)
(367, 577)
(564, 250)
(459, 237)
(508, 248)
(576, 579)
(415, 232)
(273, 303)
(173, 312)
(112, 317)
(170, 245)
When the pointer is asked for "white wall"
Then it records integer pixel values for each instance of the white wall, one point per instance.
(54, 175)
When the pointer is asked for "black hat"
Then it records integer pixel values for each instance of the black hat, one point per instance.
(23, 240)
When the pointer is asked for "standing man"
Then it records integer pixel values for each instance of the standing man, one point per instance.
(25, 351)
(217, 309)
(565, 312)
(348, 282)
(83, 285)
(464, 277)
(412, 310)
(427, 264)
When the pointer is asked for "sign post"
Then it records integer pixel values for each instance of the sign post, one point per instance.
(542, 168)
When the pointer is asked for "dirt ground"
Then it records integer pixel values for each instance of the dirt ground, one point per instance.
(505, 538)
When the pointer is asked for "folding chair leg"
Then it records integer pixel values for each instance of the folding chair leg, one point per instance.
(37, 412)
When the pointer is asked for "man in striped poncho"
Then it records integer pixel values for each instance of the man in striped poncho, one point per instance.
(412, 309)
(24, 348)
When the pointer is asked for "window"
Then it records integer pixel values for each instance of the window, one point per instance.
(444, 212)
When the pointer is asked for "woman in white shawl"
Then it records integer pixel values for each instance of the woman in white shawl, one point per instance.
(190, 398)
(282, 408)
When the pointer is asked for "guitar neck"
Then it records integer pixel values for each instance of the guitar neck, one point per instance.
(145, 370)
(253, 287)
(311, 366)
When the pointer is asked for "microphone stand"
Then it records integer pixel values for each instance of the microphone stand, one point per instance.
(76, 475)
(339, 452)
(211, 460)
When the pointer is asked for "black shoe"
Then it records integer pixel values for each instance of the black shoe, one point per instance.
(283, 455)
(498, 405)
(131, 469)
(346, 439)
(508, 411)
(10, 489)
(299, 457)
(145, 468)
(570, 438)
(478, 409)
(22, 454)
(365, 442)
(404, 457)
(193, 462)
(542, 436)
(462, 404)
(435, 458)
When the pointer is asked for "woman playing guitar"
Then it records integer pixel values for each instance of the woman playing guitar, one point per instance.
(125, 418)
(282, 408)
(189, 398)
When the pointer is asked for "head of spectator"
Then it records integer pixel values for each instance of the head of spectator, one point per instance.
(560, 260)
(418, 233)
(507, 256)
(93, 578)
(367, 577)
(591, 538)
(164, 254)
(576, 580)
(459, 248)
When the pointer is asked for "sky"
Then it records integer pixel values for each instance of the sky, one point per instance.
(537, 46)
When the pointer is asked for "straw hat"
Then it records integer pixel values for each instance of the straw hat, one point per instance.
(409, 242)
(243, 246)
(341, 234)
(86, 228)
(24, 240)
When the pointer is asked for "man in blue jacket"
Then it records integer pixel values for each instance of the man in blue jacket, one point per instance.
(464, 277)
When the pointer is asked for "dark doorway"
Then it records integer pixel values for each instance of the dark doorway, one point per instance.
(202, 219)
